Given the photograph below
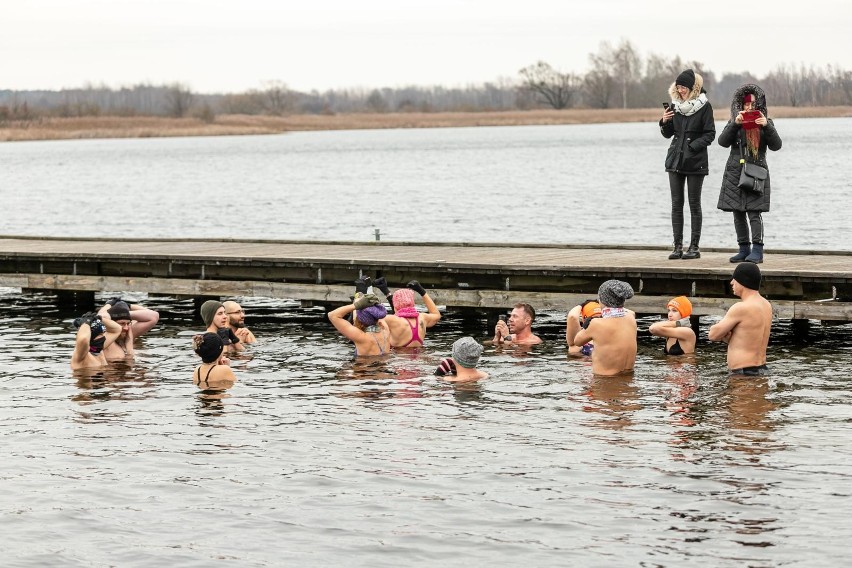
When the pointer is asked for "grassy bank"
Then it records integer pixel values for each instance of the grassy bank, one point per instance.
(225, 125)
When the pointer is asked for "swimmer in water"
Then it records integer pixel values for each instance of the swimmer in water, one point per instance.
(135, 320)
(369, 331)
(214, 373)
(680, 339)
(93, 336)
(407, 325)
(237, 322)
(579, 318)
(614, 333)
(518, 331)
(461, 367)
(746, 325)
(216, 320)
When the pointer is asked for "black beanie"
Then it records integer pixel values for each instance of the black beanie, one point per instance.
(209, 346)
(748, 274)
(686, 79)
(120, 311)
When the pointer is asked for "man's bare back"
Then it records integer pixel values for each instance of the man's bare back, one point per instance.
(746, 325)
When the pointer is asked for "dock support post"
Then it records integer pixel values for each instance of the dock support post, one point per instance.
(801, 330)
(693, 322)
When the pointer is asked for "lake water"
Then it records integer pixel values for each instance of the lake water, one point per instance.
(571, 184)
(313, 459)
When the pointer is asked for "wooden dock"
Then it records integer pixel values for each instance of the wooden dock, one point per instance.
(801, 284)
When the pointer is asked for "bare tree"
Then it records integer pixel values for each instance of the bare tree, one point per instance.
(178, 99)
(278, 99)
(600, 81)
(627, 68)
(555, 88)
(376, 102)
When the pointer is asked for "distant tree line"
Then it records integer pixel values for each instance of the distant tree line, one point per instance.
(618, 77)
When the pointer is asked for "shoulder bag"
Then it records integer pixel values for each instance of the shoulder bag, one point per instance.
(752, 176)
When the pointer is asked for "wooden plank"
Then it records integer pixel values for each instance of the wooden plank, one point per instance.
(339, 294)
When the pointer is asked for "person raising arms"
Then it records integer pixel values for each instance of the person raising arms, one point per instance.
(580, 316)
(407, 325)
(93, 335)
(369, 332)
(135, 320)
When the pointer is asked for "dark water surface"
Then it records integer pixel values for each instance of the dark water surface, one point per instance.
(312, 459)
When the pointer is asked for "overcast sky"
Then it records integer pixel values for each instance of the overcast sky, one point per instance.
(235, 45)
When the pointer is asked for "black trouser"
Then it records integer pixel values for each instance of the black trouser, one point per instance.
(693, 183)
(741, 226)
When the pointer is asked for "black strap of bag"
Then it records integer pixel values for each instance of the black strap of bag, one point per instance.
(752, 176)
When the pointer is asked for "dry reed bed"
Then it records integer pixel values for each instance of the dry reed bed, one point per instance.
(224, 125)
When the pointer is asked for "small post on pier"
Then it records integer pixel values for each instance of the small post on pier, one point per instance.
(378, 235)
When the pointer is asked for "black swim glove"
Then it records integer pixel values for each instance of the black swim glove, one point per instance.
(382, 285)
(86, 318)
(415, 285)
(114, 301)
(225, 334)
(362, 284)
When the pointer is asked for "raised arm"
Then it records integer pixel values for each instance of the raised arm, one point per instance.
(337, 319)
(585, 335)
(143, 319)
(434, 315)
(572, 325)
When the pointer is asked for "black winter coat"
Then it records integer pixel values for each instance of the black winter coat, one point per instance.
(731, 197)
(690, 137)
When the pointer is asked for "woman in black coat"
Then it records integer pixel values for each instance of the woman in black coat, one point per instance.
(688, 121)
(748, 141)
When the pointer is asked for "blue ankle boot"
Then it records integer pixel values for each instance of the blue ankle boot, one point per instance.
(745, 250)
(756, 255)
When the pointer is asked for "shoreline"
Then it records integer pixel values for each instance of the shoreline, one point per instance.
(99, 127)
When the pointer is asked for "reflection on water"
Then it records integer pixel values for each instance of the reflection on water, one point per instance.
(615, 398)
(676, 463)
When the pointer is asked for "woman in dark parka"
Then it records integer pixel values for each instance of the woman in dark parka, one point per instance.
(688, 121)
(750, 144)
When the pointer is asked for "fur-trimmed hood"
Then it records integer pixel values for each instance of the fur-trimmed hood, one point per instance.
(697, 89)
(759, 95)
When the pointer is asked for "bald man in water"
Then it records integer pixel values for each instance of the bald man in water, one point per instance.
(237, 322)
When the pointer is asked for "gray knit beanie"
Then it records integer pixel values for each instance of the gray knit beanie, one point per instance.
(466, 352)
(612, 293)
(208, 311)
(120, 311)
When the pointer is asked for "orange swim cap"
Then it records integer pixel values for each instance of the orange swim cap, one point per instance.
(591, 310)
(682, 305)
